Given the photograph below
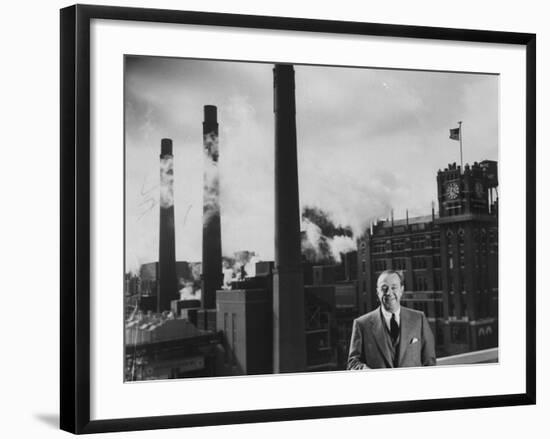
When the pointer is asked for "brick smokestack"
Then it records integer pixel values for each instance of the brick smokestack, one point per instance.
(212, 274)
(168, 282)
(289, 345)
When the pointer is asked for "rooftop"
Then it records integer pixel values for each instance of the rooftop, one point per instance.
(410, 221)
(153, 329)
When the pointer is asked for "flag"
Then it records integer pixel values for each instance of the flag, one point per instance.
(455, 133)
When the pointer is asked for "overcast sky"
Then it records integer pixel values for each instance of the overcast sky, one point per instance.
(369, 140)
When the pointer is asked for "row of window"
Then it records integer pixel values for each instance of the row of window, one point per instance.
(418, 263)
(421, 282)
(482, 236)
(431, 308)
(416, 243)
(420, 279)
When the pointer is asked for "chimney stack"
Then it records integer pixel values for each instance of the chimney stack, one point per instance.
(212, 272)
(168, 282)
(289, 343)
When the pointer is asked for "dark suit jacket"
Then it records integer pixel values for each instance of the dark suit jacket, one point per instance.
(368, 347)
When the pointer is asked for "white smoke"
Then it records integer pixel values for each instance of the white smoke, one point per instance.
(340, 245)
(211, 177)
(314, 244)
(166, 182)
(318, 247)
(313, 234)
(239, 267)
(228, 276)
(211, 145)
(188, 293)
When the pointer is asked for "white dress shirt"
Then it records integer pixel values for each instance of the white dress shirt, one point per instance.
(387, 317)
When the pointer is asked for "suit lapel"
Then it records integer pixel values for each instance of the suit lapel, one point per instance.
(404, 331)
(380, 337)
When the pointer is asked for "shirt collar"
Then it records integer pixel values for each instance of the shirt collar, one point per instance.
(387, 315)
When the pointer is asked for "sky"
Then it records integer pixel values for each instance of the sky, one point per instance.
(369, 140)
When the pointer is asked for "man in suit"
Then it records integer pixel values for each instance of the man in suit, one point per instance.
(391, 335)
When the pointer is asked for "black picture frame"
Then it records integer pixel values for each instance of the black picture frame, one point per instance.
(75, 217)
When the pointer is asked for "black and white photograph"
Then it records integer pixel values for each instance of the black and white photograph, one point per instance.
(275, 219)
(292, 218)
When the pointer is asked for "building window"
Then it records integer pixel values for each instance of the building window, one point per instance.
(483, 234)
(419, 226)
(437, 281)
(437, 261)
(398, 245)
(426, 309)
(459, 334)
(364, 266)
(428, 241)
(379, 264)
(418, 242)
(420, 283)
(460, 286)
(419, 262)
(379, 247)
(439, 308)
(400, 264)
(465, 310)
(451, 307)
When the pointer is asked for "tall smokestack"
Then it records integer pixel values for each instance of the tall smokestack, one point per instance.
(212, 272)
(168, 282)
(289, 342)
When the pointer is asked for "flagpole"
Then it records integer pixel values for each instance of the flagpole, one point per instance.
(460, 138)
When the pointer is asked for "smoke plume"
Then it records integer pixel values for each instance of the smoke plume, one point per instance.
(239, 267)
(166, 182)
(323, 241)
(211, 178)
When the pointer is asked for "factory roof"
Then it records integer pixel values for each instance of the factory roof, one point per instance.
(157, 329)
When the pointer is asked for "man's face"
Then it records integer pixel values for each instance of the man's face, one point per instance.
(389, 291)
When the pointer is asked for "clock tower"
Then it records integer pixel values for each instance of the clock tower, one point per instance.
(468, 220)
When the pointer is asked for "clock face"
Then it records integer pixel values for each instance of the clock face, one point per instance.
(451, 191)
(478, 189)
